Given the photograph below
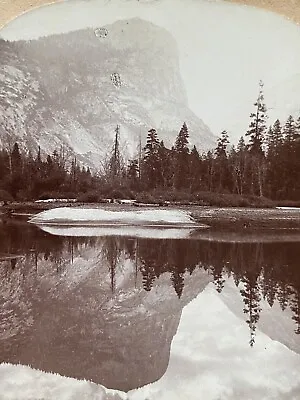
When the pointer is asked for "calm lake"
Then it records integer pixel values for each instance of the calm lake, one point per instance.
(106, 308)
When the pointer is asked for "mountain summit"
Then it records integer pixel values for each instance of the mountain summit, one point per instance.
(72, 90)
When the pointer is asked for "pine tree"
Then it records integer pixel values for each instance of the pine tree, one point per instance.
(177, 279)
(275, 167)
(181, 151)
(297, 133)
(16, 176)
(151, 171)
(221, 175)
(115, 162)
(289, 130)
(16, 158)
(295, 307)
(251, 298)
(289, 161)
(133, 173)
(112, 251)
(182, 140)
(223, 141)
(219, 281)
(239, 164)
(166, 161)
(256, 134)
(152, 143)
(274, 138)
(195, 177)
(257, 126)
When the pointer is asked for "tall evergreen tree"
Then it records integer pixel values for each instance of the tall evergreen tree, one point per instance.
(151, 171)
(223, 141)
(288, 160)
(274, 138)
(182, 140)
(16, 158)
(257, 126)
(115, 161)
(195, 178)
(275, 163)
(181, 151)
(289, 130)
(239, 164)
(166, 162)
(133, 173)
(251, 299)
(256, 134)
(297, 133)
(221, 168)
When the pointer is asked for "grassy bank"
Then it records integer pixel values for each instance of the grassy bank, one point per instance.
(155, 197)
(247, 218)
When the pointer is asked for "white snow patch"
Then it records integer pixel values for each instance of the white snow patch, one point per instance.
(289, 208)
(65, 215)
(56, 201)
(128, 231)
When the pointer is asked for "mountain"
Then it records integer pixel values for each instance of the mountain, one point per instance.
(71, 90)
(67, 318)
(210, 359)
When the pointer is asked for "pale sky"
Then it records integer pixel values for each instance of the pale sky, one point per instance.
(224, 50)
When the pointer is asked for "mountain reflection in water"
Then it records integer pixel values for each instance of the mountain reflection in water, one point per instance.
(107, 308)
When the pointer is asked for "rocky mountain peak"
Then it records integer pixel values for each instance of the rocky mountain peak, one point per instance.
(73, 89)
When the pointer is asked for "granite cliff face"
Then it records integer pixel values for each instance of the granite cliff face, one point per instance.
(72, 90)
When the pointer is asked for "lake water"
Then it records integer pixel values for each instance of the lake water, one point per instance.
(107, 308)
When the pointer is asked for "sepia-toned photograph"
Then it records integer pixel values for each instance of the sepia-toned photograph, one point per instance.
(149, 202)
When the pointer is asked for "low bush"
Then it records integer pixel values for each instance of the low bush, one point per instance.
(51, 195)
(287, 203)
(120, 193)
(5, 196)
(146, 198)
(89, 197)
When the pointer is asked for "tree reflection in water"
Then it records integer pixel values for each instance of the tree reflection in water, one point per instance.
(261, 271)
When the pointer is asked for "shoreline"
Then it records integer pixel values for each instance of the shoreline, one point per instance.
(229, 218)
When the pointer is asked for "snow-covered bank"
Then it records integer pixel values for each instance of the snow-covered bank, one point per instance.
(128, 231)
(210, 359)
(289, 208)
(97, 216)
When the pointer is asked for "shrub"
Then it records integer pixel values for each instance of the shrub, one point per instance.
(50, 195)
(230, 200)
(117, 194)
(89, 197)
(263, 202)
(288, 203)
(5, 196)
(145, 197)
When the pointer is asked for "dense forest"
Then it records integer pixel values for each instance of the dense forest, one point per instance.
(264, 164)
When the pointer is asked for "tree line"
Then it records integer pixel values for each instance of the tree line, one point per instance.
(264, 163)
(25, 177)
